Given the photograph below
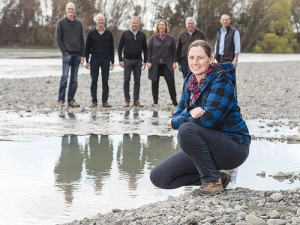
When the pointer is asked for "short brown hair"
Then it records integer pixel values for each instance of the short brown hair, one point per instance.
(204, 44)
(167, 30)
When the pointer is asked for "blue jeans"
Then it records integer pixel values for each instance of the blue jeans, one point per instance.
(204, 152)
(184, 68)
(73, 61)
(96, 63)
(135, 66)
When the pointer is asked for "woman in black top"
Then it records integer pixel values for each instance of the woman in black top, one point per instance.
(162, 60)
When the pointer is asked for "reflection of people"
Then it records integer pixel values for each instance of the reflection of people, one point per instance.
(158, 148)
(69, 38)
(69, 167)
(100, 44)
(228, 43)
(185, 39)
(130, 160)
(99, 159)
(134, 43)
(211, 131)
(162, 60)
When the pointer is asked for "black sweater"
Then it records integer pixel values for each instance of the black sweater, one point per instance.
(101, 46)
(133, 46)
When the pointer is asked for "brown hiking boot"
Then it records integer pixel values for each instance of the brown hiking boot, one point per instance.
(126, 104)
(73, 104)
(93, 105)
(60, 104)
(106, 105)
(212, 188)
(138, 104)
(225, 178)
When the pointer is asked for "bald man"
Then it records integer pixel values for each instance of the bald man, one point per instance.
(69, 38)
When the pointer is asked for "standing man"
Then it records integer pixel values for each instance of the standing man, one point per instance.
(134, 43)
(100, 44)
(69, 38)
(228, 43)
(185, 39)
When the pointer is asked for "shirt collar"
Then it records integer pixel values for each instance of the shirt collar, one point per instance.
(134, 32)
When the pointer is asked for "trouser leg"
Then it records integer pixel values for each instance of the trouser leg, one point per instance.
(127, 75)
(74, 75)
(171, 83)
(94, 77)
(210, 150)
(105, 65)
(137, 70)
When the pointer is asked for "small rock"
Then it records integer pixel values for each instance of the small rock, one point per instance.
(274, 214)
(276, 221)
(276, 197)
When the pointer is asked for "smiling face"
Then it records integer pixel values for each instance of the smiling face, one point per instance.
(190, 26)
(161, 27)
(134, 24)
(199, 61)
(70, 10)
(100, 21)
(225, 21)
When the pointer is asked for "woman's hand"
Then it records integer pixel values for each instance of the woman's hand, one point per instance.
(149, 65)
(174, 65)
(169, 123)
(197, 112)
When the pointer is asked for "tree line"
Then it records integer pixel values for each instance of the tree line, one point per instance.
(267, 26)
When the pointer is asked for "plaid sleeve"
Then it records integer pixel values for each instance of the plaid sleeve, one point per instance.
(218, 103)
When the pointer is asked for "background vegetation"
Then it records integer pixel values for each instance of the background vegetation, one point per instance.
(271, 26)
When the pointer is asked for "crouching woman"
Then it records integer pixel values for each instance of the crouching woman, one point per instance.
(211, 132)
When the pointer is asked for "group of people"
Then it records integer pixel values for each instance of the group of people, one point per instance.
(211, 132)
(160, 56)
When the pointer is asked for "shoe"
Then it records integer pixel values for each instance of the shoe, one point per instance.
(138, 104)
(212, 188)
(73, 104)
(126, 104)
(93, 105)
(106, 105)
(225, 178)
(60, 104)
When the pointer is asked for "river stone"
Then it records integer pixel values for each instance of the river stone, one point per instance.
(296, 220)
(276, 221)
(298, 211)
(255, 220)
(274, 214)
(276, 197)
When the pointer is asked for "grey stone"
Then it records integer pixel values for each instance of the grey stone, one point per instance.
(255, 220)
(274, 214)
(276, 197)
(276, 221)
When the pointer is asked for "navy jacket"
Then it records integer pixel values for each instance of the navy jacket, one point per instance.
(219, 100)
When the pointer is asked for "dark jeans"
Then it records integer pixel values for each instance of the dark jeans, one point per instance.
(73, 61)
(96, 63)
(184, 68)
(164, 71)
(204, 152)
(134, 65)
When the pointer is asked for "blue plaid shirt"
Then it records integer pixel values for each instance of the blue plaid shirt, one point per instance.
(218, 99)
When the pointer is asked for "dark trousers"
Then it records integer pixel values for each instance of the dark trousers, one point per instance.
(204, 152)
(135, 66)
(96, 63)
(184, 68)
(164, 70)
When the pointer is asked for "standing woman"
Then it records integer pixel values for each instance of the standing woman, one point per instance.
(211, 132)
(162, 60)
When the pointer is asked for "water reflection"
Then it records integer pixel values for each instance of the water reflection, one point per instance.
(69, 166)
(131, 159)
(98, 157)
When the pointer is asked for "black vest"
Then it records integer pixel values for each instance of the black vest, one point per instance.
(228, 45)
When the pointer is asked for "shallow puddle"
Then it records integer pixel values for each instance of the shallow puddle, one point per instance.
(53, 180)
